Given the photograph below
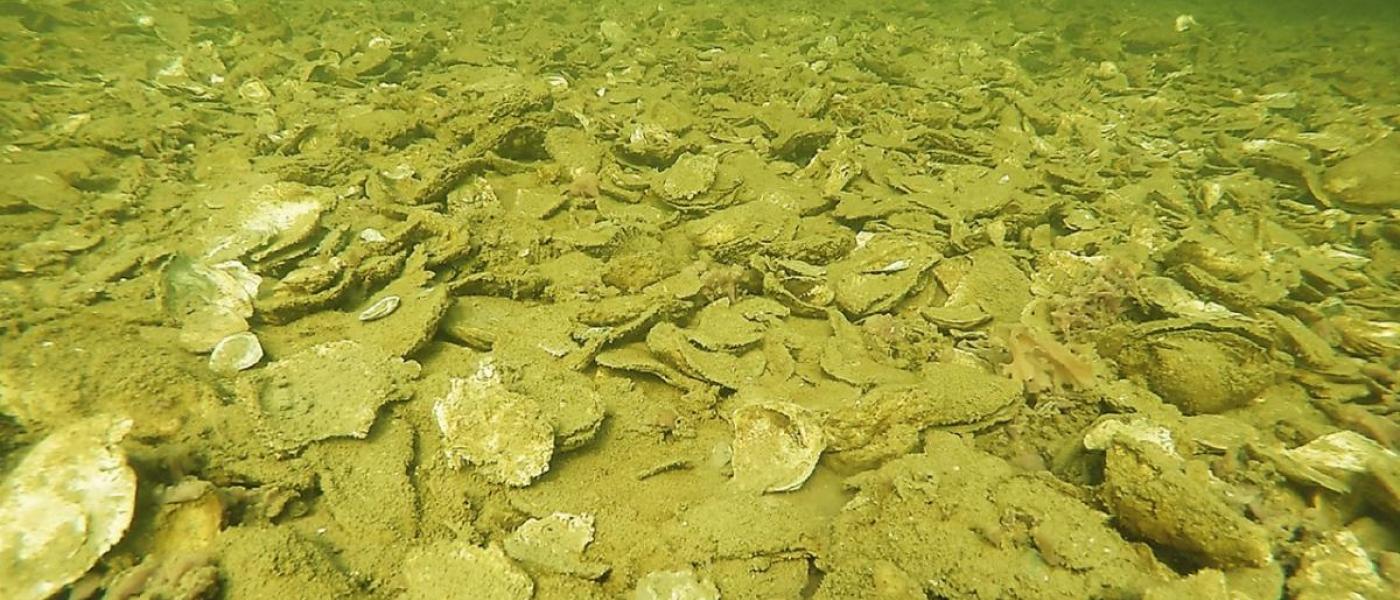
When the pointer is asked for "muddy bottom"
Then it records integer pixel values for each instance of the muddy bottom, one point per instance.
(688, 301)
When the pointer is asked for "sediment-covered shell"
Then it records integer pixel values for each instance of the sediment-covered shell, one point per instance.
(334, 389)
(1199, 370)
(556, 543)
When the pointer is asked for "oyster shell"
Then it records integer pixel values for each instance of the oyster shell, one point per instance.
(845, 356)
(211, 302)
(569, 400)
(886, 421)
(1368, 179)
(1154, 494)
(675, 347)
(469, 571)
(638, 360)
(651, 144)
(69, 501)
(776, 446)
(1338, 462)
(733, 233)
(674, 585)
(556, 543)
(721, 326)
(1199, 370)
(876, 276)
(315, 274)
(334, 389)
(800, 286)
(1337, 566)
(269, 221)
(407, 313)
(685, 184)
(237, 352)
(502, 434)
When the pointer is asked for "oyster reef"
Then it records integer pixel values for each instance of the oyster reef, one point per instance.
(528, 299)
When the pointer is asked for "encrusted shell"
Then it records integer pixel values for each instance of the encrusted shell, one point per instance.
(68, 502)
(502, 434)
(1200, 370)
(688, 179)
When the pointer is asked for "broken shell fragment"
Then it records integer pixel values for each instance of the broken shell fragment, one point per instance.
(235, 353)
(469, 571)
(776, 446)
(501, 433)
(383, 308)
(68, 502)
(556, 543)
(675, 585)
(330, 390)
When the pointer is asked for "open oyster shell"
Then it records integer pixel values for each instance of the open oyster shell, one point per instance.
(66, 504)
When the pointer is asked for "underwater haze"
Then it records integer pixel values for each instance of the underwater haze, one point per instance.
(513, 299)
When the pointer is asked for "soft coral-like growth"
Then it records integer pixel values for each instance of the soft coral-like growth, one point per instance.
(1100, 300)
(1042, 363)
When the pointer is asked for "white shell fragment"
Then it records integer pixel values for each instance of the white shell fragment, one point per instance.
(776, 446)
(373, 236)
(1336, 461)
(383, 308)
(675, 585)
(502, 433)
(68, 502)
(1102, 434)
(556, 543)
(235, 353)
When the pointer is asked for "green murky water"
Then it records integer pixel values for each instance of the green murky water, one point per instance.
(529, 299)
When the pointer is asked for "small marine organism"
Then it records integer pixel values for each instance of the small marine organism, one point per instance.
(1042, 363)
